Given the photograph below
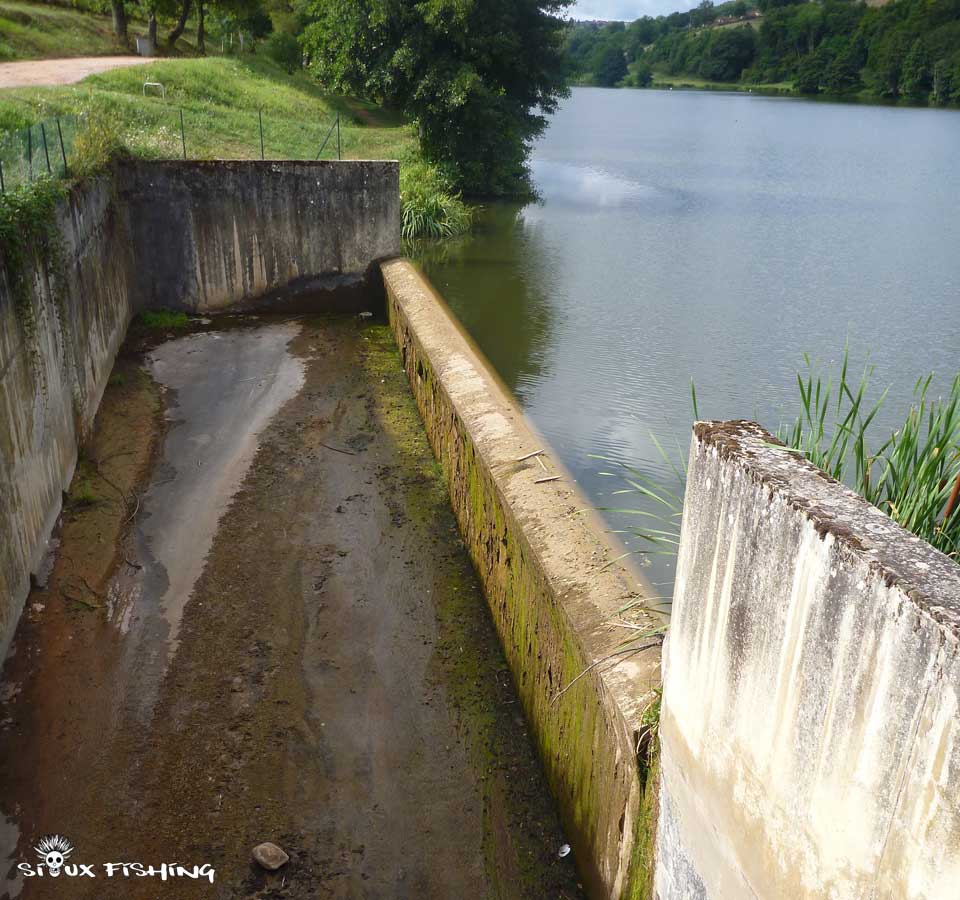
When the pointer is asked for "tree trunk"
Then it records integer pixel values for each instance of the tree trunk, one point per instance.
(201, 34)
(152, 28)
(174, 35)
(119, 19)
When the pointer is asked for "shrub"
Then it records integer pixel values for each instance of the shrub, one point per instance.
(284, 49)
(98, 141)
(430, 208)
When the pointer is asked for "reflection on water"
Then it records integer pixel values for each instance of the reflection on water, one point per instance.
(713, 237)
(504, 263)
(560, 183)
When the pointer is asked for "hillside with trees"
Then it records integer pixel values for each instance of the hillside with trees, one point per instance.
(905, 50)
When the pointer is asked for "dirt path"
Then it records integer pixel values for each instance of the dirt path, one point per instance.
(36, 72)
(334, 683)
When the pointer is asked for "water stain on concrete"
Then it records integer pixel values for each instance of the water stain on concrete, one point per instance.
(292, 646)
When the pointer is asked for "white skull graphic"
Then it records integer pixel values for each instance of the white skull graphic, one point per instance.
(53, 850)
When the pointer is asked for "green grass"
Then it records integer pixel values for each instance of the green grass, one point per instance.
(691, 82)
(220, 98)
(40, 31)
(162, 319)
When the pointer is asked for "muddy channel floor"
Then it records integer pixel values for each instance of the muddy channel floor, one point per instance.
(261, 625)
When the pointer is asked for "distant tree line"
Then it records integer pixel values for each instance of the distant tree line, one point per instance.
(907, 49)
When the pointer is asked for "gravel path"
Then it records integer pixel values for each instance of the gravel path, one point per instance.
(35, 72)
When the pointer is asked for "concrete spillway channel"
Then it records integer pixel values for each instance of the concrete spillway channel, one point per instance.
(294, 573)
(333, 684)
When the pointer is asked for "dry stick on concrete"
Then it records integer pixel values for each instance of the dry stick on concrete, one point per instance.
(529, 455)
(593, 665)
(545, 480)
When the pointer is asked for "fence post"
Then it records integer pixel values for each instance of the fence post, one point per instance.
(46, 152)
(63, 151)
(183, 134)
(339, 154)
(260, 116)
(30, 153)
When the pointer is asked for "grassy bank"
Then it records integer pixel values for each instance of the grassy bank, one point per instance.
(34, 31)
(690, 82)
(222, 100)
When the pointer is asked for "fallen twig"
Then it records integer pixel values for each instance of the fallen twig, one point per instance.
(133, 515)
(529, 455)
(545, 480)
(337, 449)
(593, 665)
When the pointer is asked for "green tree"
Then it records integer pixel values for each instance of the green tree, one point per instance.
(704, 14)
(810, 74)
(728, 53)
(642, 74)
(478, 77)
(611, 67)
(916, 79)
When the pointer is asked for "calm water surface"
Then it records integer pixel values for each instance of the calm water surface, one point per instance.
(713, 237)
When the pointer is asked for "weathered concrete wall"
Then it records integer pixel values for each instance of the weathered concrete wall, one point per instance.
(546, 572)
(213, 234)
(59, 334)
(810, 711)
(196, 236)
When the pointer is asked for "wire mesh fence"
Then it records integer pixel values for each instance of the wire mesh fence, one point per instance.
(44, 148)
(48, 147)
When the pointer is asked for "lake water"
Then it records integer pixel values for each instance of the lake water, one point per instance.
(714, 237)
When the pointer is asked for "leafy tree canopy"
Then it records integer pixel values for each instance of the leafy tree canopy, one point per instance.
(478, 77)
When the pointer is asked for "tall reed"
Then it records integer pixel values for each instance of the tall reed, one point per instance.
(913, 475)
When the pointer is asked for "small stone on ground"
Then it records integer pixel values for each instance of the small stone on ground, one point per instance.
(270, 856)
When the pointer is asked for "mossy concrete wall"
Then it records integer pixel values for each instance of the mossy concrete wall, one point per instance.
(811, 710)
(553, 591)
(186, 235)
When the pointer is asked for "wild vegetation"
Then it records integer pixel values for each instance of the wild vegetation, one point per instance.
(222, 100)
(906, 49)
(474, 81)
(913, 475)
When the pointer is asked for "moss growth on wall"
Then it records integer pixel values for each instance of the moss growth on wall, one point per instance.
(29, 235)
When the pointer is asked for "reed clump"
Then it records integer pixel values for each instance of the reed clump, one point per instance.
(913, 475)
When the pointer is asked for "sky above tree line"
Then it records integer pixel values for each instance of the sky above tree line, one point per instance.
(624, 10)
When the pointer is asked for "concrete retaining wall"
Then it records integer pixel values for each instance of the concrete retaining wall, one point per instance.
(810, 714)
(214, 234)
(58, 340)
(544, 566)
(187, 235)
